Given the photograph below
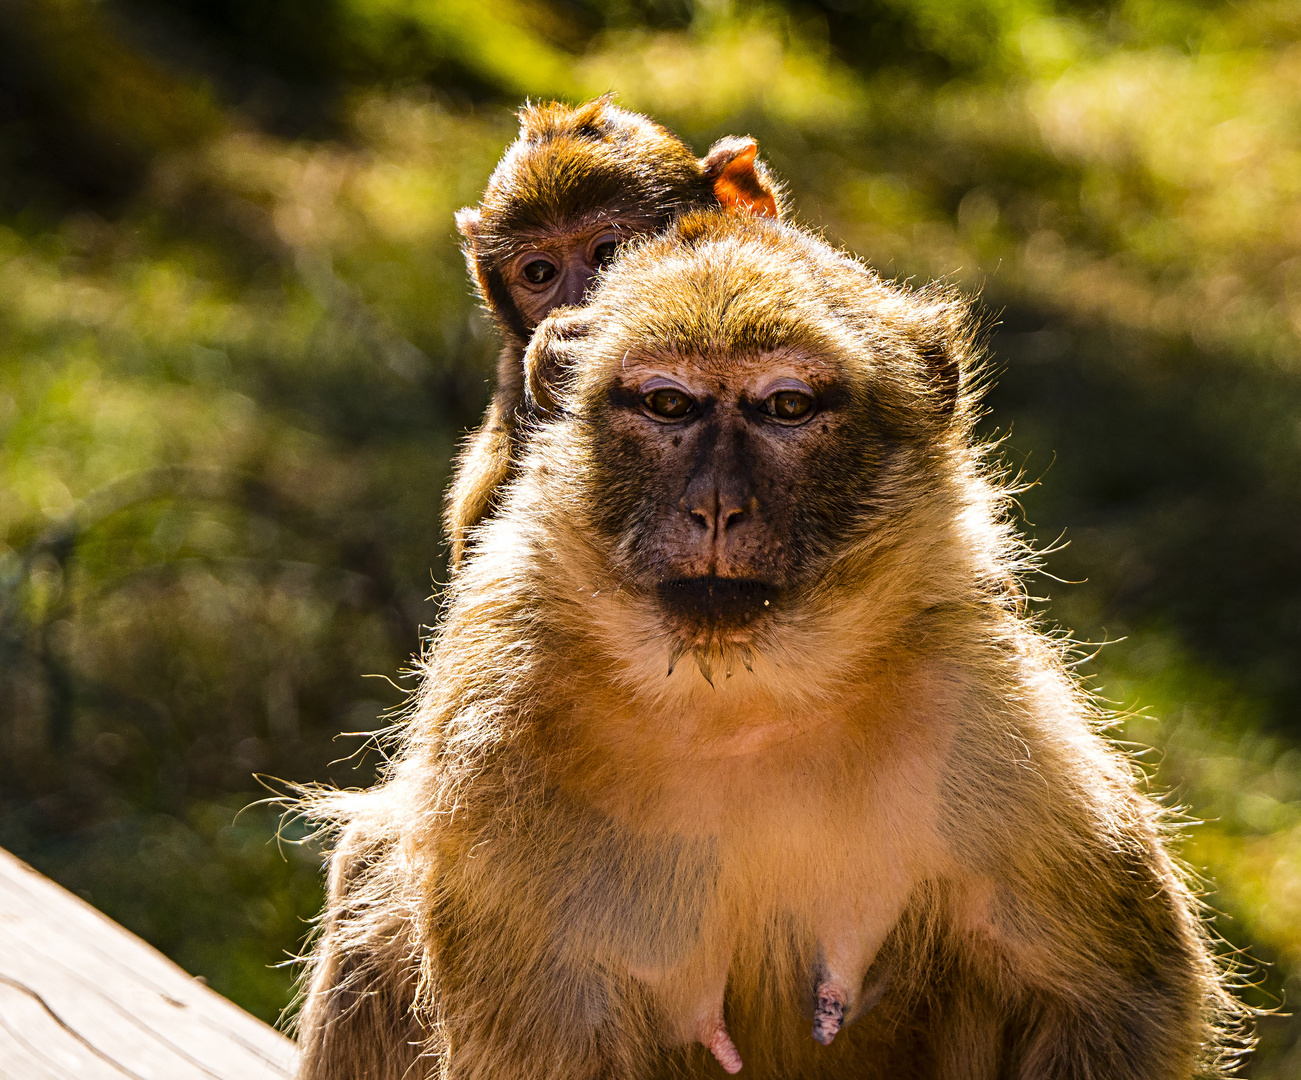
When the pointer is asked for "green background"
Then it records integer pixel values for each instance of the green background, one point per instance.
(238, 347)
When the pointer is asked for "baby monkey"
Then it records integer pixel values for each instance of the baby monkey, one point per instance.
(576, 183)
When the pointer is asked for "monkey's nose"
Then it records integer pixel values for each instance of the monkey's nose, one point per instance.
(716, 509)
(577, 283)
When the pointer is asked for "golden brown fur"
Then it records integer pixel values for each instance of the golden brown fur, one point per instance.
(892, 796)
(573, 177)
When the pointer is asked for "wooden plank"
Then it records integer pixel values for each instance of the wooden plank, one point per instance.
(80, 997)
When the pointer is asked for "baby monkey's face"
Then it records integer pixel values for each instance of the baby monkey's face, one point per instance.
(556, 270)
(730, 481)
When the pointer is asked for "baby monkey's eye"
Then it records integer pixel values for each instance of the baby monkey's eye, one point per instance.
(603, 254)
(788, 405)
(669, 403)
(540, 271)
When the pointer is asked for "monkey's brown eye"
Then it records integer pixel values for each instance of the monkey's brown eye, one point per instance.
(788, 405)
(669, 403)
(540, 271)
(603, 254)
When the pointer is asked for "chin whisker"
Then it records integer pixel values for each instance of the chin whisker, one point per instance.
(704, 664)
(675, 654)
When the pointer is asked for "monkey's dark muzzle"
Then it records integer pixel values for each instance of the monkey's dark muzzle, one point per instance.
(726, 603)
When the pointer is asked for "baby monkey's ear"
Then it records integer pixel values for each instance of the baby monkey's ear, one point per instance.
(551, 357)
(741, 182)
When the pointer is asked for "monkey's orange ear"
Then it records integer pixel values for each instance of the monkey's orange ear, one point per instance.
(467, 222)
(741, 182)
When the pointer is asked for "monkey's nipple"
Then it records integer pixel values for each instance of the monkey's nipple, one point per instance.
(828, 1011)
(714, 1035)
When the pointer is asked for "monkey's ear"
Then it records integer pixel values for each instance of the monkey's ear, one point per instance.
(551, 356)
(741, 182)
(944, 366)
(945, 345)
(467, 222)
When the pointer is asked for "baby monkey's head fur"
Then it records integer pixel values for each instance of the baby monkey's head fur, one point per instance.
(760, 448)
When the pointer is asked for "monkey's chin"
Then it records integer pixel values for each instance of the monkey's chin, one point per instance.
(705, 611)
(716, 620)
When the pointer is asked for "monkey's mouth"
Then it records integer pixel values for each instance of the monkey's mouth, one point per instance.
(715, 603)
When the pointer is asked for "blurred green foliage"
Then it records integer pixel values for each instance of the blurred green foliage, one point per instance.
(237, 347)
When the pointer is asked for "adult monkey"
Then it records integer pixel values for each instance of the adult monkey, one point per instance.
(577, 182)
(734, 744)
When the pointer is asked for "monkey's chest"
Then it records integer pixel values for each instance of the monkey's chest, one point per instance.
(749, 964)
(734, 914)
(652, 899)
(736, 929)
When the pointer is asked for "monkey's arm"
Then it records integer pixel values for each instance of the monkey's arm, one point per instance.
(1117, 981)
(1098, 954)
(518, 1000)
(551, 928)
(359, 1019)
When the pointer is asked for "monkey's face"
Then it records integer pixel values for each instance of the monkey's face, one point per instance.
(727, 481)
(752, 412)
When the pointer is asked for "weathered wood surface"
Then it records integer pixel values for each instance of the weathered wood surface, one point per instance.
(80, 997)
